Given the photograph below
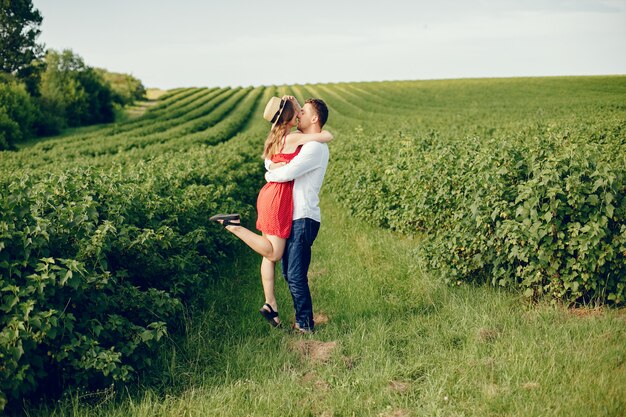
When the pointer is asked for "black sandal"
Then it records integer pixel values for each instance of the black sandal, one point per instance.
(269, 315)
(226, 219)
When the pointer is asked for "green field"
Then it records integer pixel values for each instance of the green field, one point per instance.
(471, 260)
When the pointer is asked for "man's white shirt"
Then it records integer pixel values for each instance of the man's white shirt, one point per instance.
(307, 169)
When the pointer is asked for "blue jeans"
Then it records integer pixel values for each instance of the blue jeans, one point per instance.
(296, 260)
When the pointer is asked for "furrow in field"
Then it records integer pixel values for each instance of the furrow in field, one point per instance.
(206, 101)
(113, 145)
(365, 100)
(336, 106)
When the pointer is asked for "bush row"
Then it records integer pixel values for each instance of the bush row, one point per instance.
(536, 205)
(95, 263)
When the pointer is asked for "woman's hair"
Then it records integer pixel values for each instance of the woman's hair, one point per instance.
(280, 129)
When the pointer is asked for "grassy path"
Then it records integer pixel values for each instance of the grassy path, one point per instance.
(390, 342)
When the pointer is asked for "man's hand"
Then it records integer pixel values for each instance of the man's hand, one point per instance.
(275, 165)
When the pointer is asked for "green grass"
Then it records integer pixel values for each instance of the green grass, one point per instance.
(404, 345)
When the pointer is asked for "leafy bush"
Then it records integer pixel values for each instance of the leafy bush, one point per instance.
(77, 90)
(503, 193)
(126, 89)
(16, 113)
(96, 262)
(546, 216)
(69, 93)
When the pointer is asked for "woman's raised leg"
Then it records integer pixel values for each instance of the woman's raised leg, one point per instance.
(268, 246)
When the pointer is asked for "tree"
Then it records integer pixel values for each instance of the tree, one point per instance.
(17, 113)
(19, 53)
(126, 88)
(76, 90)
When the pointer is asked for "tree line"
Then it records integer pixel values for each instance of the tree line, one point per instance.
(44, 91)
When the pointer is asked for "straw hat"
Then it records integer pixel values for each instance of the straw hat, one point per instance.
(273, 109)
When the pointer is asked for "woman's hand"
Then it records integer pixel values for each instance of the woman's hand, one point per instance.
(294, 101)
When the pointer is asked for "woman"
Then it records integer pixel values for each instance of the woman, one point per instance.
(275, 201)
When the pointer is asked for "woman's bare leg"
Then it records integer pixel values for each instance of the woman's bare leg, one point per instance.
(268, 270)
(268, 246)
(267, 279)
(272, 249)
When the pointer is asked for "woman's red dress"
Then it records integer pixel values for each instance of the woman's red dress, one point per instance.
(275, 203)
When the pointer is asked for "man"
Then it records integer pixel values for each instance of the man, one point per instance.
(307, 169)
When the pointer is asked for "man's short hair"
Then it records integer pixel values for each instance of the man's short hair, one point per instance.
(320, 108)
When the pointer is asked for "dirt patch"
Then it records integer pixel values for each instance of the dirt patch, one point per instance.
(487, 335)
(585, 312)
(490, 390)
(314, 351)
(348, 361)
(531, 385)
(399, 386)
(400, 412)
(320, 318)
(319, 384)
(309, 377)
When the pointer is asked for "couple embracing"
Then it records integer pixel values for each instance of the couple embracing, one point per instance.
(288, 205)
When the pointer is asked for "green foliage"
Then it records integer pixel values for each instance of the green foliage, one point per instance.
(16, 113)
(9, 130)
(65, 91)
(519, 183)
(70, 94)
(126, 89)
(19, 52)
(104, 232)
(398, 342)
(98, 252)
(78, 90)
(50, 118)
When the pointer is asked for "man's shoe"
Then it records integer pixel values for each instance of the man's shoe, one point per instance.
(298, 329)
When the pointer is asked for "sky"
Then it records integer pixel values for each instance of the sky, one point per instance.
(195, 43)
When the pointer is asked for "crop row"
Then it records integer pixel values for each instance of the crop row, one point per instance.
(520, 183)
(99, 252)
(207, 116)
(156, 116)
(104, 233)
